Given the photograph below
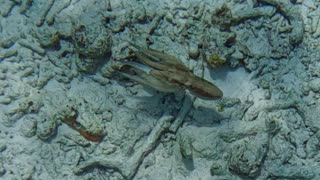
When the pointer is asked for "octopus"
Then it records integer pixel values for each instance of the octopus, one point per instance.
(165, 73)
(71, 121)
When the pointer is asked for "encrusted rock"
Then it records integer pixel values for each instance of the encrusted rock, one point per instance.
(246, 156)
(314, 85)
(217, 169)
(91, 40)
(29, 125)
(107, 115)
(46, 36)
(194, 51)
(312, 146)
(185, 147)
(46, 128)
(299, 138)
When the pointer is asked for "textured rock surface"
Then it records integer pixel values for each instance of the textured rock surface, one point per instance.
(59, 92)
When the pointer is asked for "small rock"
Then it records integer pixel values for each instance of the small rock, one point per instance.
(46, 128)
(216, 169)
(28, 126)
(107, 115)
(264, 84)
(186, 147)
(314, 85)
(246, 156)
(194, 51)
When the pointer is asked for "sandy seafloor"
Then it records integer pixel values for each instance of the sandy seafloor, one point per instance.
(56, 68)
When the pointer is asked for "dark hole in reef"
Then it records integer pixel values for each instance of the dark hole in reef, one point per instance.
(56, 46)
(30, 103)
(64, 54)
(107, 20)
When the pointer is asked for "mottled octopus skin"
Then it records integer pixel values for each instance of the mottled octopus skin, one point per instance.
(196, 85)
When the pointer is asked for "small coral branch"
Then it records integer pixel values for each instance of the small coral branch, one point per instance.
(45, 12)
(7, 54)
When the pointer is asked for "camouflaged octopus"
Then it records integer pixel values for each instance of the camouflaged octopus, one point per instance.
(165, 73)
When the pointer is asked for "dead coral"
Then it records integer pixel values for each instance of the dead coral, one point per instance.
(247, 157)
(291, 12)
(129, 169)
